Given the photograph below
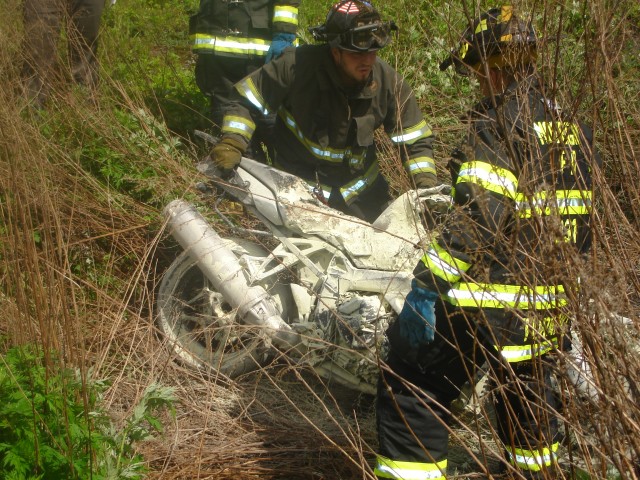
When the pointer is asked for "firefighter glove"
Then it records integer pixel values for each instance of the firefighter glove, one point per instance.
(436, 200)
(226, 154)
(417, 320)
(279, 42)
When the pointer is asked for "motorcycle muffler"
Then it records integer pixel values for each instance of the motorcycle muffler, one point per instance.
(221, 267)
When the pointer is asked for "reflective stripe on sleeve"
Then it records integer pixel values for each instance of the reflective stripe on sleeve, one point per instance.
(285, 14)
(248, 89)
(442, 264)
(411, 135)
(492, 178)
(239, 125)
(387, 468)
(420, 165)
(360, 184)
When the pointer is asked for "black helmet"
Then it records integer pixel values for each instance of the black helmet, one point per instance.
(497, 37)
(354, 25)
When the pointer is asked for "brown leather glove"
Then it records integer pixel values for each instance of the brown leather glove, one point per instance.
(226, 154)
(425, 180)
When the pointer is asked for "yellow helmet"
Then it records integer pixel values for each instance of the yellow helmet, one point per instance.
(498, 38)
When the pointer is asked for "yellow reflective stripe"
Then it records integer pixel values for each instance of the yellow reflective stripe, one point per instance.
(387, 468)
(326, 154)
(412, 134)
(248, 89)
(561, 202)
(357, 186)
(489, 177)
(239, 125)
(506, 11)
(482, 26)
(533, 460)
(520, 353)
(236, 45)
(420, 165)
(285, 14)
(442, 264)
(491, 295)
(564, 133)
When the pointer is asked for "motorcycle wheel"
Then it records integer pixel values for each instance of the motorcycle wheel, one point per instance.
(201, 327)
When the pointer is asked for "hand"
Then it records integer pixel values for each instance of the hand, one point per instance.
(226, 155)
(417, 320)
(279, 42)
(436, 202)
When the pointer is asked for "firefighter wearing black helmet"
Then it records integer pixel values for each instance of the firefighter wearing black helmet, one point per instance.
(496, 286)
(329, 100)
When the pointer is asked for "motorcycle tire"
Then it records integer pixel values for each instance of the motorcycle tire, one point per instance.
(202, 328)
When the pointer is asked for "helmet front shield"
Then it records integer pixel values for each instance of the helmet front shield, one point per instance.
(366, 38)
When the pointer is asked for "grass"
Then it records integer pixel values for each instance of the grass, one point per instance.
(82, 245)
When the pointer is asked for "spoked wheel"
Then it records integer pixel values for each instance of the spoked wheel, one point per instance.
(202, 328)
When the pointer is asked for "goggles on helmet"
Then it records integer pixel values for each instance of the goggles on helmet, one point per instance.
(365, 38)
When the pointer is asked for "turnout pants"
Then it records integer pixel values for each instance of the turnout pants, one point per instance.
(216, 76)
(416, 391)
(43, 21)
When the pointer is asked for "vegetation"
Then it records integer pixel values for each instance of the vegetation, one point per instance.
(85, 379)
(52, 427)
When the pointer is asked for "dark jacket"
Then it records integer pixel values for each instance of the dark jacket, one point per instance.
(523, 192)
(240, 28)
(324, 133)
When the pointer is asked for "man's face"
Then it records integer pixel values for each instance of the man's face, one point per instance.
(355, 67)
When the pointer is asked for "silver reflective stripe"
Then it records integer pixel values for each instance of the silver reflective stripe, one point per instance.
(407, 474)
(252, 98)
(354, 189)
(238, 126)
(439, 262)
(490, 177)
(424, 165)
(520, 353)
(533, 461)
(407, 137)
(287, 16)
(228, 44)
(410, 135)
(506, 296)
(333, 156)
(247, 89)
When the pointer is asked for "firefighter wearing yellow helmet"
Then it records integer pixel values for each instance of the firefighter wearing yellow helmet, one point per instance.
(498, 286)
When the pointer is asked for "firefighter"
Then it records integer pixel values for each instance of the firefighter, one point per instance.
(329, 100)
(43, 20)
(233, 38)
(495, 286)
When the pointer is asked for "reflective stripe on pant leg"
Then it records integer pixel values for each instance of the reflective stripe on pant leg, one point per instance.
(533, 460)
(386, 468)
(412, 433)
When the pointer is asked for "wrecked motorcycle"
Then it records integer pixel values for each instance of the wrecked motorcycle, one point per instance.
(315, 284)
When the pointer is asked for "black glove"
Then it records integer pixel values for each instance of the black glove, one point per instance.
(436, 200)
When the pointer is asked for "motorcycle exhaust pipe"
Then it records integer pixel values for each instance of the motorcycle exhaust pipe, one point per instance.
(221, 267)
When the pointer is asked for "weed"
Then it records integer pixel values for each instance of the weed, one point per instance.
(52, 425)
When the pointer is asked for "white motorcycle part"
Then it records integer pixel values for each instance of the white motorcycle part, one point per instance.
(221, 267)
